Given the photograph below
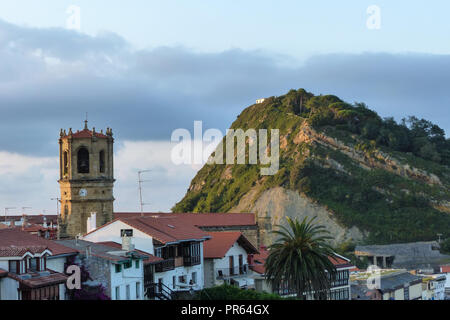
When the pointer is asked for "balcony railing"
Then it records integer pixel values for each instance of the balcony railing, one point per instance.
(165, 265)
(191, 261)
(232, 272)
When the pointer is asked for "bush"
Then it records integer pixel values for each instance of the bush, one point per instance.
(445, 246)
(229, 292)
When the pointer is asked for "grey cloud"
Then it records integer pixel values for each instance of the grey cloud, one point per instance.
(146, 94)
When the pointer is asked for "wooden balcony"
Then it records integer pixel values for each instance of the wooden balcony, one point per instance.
(191, 261)
(165, 265)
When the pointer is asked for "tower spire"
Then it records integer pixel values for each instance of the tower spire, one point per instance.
(86, 122)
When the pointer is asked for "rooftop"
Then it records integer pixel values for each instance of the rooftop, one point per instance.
(393, 279)
(85, 133)
(40, 279)
(164, 229)
(221, 242)
(100, 250)
(445, 269)
(150, 259)
(259, 260)
(201, 219)
(14, 241)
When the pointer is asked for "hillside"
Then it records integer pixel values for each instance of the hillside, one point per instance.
(368, 179)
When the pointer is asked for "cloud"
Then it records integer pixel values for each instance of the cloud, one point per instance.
(49, 79)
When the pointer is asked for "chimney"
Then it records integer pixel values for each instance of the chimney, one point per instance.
(126, 243)
(91, 222)
(24, 221)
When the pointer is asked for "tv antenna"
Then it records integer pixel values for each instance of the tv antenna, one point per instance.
(58, 200)
(140, 181)
(6, 211)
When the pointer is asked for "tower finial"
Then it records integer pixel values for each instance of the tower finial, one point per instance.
(86, 121)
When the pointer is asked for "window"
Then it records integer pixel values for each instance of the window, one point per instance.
(127, 265)
(118, 268)
(127, 290)
(194, 277)
(14, 266)
(182, 279)
(117, 293)
(137, 264)
(65, 164)
(138, 290)
(33, 264)
(102, 161)
(126, 233)
(174, 282)
(406, 293)
(83, 160)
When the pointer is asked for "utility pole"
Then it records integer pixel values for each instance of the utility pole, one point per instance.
(140, 181)
(6, 211)
(57, 204)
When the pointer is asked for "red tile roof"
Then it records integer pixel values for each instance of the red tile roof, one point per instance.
(201, 219)
(14, 241)
(166, 229)
(3, 273)
(32, 218)
(221, 242)
(445, 269)
(340, 262)
(260, 259)
(18, 251)
(31, 227)
(151, 259)
(86, 133)
(163, 229)
(39, 281)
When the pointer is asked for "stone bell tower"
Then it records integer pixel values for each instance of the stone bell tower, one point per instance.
(86, 179)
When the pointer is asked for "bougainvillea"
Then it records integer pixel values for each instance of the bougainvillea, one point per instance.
(87, 292)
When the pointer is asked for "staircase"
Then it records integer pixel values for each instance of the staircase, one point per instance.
(160, 291)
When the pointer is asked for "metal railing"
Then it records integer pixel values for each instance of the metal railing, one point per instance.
(232, 272)
(191, 261)
(159, 291)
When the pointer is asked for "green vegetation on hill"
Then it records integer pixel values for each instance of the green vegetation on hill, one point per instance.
(361, 185)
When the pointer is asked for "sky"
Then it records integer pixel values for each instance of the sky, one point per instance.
(146, 68)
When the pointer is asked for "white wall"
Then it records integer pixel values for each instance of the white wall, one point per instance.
(447, 281)
(9, 289)
(111, 232)
(224, 263)
(144, 242)
(126, 277)
(57, 264)
(53, 263)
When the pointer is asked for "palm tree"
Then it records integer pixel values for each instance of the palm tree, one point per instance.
(300, 258)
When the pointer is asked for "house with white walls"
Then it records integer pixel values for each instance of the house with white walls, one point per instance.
(433, 286)
(340, 288)
(226, 259)
(31, 268)
(446, 271)
(179, 246)
(120, 271)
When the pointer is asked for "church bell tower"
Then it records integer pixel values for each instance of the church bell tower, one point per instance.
(86, 180)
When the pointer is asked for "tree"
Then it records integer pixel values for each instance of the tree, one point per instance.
(300, 257)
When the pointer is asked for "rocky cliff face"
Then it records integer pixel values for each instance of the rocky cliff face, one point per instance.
(360, 189)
